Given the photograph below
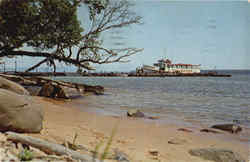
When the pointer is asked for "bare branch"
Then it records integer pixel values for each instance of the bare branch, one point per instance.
(117, 14)
(36, 65)
(113, 55)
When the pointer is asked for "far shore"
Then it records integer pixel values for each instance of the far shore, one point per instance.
(133, 136)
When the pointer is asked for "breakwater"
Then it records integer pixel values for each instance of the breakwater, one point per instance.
(120, 74)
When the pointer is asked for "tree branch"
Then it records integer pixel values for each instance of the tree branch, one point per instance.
(47, 55)
(37, 65)
(113, 55)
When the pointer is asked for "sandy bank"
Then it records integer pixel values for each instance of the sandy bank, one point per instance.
(135, 137)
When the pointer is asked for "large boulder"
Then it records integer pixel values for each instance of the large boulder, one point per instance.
(19, 80)
(19, 113)
(217, 155)
(12, 86)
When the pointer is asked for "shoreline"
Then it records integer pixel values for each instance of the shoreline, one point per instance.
(161, 117)
(134, 137)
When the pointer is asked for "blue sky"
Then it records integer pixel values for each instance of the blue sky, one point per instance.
(211, 33)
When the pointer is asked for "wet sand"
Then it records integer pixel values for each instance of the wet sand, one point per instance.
(135, 137)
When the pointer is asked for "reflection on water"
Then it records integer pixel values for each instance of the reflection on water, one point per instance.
(205, 100)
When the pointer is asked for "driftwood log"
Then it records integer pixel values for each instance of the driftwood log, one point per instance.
(40, 81)
(47, 147)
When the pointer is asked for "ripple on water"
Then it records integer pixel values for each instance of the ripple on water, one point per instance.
(205, 100)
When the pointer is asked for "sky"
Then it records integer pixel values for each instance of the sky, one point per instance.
(215, 34)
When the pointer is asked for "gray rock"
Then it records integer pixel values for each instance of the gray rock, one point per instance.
(98, 90)
(12, 86)
(217, 155)
(33, 90)
(135, 113)
(19, 113)
(120, 156)
(232, 128)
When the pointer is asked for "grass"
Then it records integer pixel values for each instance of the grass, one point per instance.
(104, 155)
(25, 155)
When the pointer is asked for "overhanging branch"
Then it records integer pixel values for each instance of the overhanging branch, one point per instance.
(46, 55)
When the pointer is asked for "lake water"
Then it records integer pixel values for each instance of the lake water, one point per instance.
(191, 100)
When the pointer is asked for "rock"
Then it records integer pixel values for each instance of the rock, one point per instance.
(47, 90)
(135, 113)
(153, 117)
(12, 86)
(33, 90)
(19, 80)
(59, 92)
(232, 128)
(120, 156)
(52, 90)
(98, 90)
(185, 130)
(209, 131)
(153, 152)
(177, 141)
(217, 155)
(22, 115)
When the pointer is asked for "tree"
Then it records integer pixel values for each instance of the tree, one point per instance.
(51, 29)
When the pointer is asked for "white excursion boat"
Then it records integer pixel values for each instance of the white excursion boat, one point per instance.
(166, 65)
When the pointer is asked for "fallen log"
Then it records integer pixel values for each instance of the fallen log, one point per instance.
(47, 147)
(98, 90)
(40, 81)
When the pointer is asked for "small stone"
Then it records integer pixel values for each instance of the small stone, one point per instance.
(153, 117)
(153, 152)
(185, 130)
(177, 141)
(120, 156)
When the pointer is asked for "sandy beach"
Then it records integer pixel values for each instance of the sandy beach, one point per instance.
(134, 137)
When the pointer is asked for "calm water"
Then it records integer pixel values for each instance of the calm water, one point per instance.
(203, 100)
